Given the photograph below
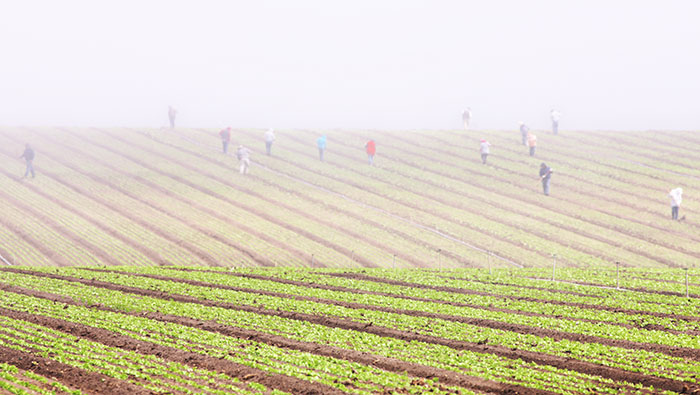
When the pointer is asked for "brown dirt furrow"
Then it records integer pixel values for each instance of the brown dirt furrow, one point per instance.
(454, 178)
(112, 339)
(330, 224)
(88, 382)
(200, 253)
(151, 254)
(389, 364)
(528, 356)
(358, 276)
(88, 246)
(256, 211)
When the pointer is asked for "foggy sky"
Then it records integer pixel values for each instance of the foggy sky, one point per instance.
(351, 64)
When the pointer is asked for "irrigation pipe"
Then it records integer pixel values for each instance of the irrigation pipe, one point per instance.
(5, 260)
(375, 208)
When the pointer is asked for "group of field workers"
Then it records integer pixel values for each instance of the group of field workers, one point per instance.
(527, 138)
(243, 153)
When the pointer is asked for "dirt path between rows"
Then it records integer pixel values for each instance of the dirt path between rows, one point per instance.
(390, 364)
(88, 382)
(527, 356)
(112, 339)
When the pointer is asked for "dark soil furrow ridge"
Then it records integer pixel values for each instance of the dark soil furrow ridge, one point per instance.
(112, 339)
(88, 382)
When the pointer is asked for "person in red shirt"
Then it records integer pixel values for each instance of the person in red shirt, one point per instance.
(225, 135)
(371, 150)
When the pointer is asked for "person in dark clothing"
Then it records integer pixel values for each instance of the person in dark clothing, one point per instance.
(545, 176)
(28, 156)
(524, 130)
(225, 135)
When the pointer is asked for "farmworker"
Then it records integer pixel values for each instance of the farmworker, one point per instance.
(243, 155)
(225, 135)
(523, 132)
(555, 115)
(371, 149)
(28, 156)
(485, 149)
(466, 117)
(545, 176)
(321, 144)
(269, 139)
(172, 113)
(676, 199)
(532, 143)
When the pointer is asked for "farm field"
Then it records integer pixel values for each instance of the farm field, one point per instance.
(141, 261)
(163, 197)
(324, 331)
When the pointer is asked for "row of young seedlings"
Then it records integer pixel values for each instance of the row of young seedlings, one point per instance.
(426, 326)
(343, 375)
(477, 364)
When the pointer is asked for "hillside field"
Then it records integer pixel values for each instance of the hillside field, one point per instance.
(164, 197)
(139, 261)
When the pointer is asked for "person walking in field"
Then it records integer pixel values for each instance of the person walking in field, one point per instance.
(532, 143)
(371, 149)
(676, 196)
(28, 156)
(545, 176)
(269, 139)
(555, 115)
(466, 117)
(172, 113)
(225, 135)
(321, 143)
(523, 132)
(243, 155)
(485, 149)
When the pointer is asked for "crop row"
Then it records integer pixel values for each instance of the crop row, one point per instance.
(467, 362)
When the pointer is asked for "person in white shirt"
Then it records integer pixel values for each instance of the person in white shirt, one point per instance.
(676, 196)
(269, 139)
(485, 149)
(555, 115)
(243, 155)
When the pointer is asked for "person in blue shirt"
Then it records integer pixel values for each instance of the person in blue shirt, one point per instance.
(321, 144)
